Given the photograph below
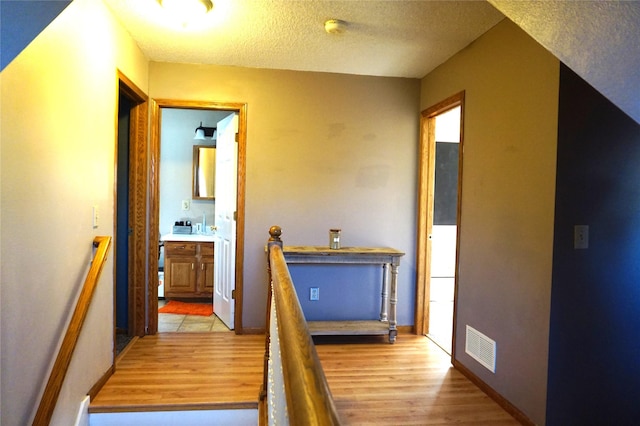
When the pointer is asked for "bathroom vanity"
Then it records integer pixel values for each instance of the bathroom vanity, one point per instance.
(188, 266)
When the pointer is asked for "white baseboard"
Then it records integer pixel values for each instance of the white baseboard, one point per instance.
(182, 418)
(83, 413)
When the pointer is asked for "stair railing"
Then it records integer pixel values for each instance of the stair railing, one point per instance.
(295, 389)
(61, 365)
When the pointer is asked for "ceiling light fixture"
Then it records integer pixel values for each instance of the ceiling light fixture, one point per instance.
(186, 10)
(205, 132)
(335, 26)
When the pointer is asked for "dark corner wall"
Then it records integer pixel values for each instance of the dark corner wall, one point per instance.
(594, 344)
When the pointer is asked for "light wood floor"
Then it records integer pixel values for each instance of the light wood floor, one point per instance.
(410, 382)
(184, 371)
(372, 382)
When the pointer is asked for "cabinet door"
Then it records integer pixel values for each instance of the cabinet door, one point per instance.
(206, 275)
(180, 274)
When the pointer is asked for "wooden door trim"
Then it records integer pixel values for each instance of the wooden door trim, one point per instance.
(154, 200)
(426, 181)
(137, 202)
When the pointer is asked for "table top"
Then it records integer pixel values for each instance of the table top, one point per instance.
(344, 251)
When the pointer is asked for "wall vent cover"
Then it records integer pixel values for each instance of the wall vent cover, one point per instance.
(481, 348)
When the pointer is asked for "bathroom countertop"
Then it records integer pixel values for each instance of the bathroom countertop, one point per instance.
(189, 237)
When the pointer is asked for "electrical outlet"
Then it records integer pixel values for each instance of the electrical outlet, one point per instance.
(314, 293)
(186, 204)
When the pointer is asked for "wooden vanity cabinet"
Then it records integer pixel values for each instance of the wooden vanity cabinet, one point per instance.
(188, 269)
(205, 277)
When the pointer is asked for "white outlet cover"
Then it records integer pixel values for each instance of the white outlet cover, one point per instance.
(314, 293)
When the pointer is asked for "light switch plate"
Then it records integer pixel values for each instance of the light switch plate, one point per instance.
(95, 216)
(581, 237)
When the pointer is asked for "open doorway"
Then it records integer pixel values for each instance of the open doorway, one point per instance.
(196, 212)
(130, 203)
(439, 220)
(188, 202)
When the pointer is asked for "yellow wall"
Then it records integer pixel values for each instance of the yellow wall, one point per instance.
(57, 144)
(506, 240)
(323, 151)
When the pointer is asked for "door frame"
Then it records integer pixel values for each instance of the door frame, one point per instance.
(426, 189)
(138, 131)
(154, 200)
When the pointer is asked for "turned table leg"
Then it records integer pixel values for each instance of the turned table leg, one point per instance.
(393, 331)
(385, 293)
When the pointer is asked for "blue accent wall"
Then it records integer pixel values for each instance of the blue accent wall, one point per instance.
(347, 292)
(594, 347)
(21, 22)
(122, 214)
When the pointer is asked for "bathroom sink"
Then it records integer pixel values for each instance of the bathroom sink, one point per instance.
(189, 237)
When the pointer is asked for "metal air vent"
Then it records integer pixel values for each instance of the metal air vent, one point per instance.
(481, 348)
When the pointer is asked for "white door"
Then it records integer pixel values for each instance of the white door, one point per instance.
(225, 220)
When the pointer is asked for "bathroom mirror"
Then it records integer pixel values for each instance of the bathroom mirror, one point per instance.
(204, 172)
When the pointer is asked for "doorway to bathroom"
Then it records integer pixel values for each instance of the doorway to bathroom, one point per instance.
(186, 215)
(190, 248)
(439, 220)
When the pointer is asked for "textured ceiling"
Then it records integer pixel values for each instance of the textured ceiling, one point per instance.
(599, 40)
(395, 38)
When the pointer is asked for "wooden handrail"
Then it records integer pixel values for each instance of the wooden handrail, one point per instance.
(61, 365)
(308, 397)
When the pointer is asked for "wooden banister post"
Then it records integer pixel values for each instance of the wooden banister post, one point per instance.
(275, 232)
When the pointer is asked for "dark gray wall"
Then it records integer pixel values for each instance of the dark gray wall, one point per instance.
(594, 352)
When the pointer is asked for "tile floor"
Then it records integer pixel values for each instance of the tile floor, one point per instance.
(188, 323)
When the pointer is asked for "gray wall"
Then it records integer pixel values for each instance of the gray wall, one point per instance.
(508, 184)
(323, 151)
